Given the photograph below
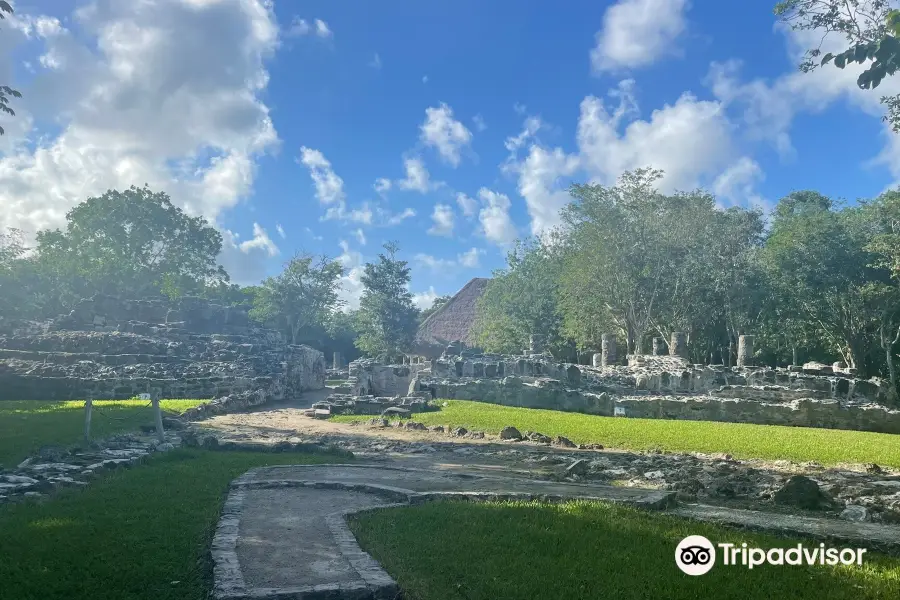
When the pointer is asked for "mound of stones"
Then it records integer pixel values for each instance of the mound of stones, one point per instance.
(110, 348)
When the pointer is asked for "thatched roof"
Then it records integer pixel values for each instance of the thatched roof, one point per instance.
(453, 321)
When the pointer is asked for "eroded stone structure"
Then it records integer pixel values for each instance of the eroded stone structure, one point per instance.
(668, 387)
(109, 348)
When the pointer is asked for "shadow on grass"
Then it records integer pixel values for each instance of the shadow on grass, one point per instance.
(585, 550)
(26, 426)
(140, 533)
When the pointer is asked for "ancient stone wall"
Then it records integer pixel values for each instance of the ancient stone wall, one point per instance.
(108, 348)
(669, 387)
(371, 378)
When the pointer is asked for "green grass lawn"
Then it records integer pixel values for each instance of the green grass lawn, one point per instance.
(827, 446)
(26, 425)
(586, 550)
(139, 533)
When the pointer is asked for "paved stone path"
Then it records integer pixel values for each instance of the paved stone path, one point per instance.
(283, 532)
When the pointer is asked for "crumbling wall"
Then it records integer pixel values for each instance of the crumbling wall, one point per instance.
(371, 378)
(104, 349)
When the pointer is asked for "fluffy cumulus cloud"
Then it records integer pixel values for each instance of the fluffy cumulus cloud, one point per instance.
(328, 185)
(351, 285)
(417, 177)
(246, 260)
(444, 133)
(496, 224)
(138, 92)
(468, 205)
(425, 300)
(636, 33)
(443, 219)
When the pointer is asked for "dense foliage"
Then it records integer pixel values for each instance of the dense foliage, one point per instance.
(817, 281)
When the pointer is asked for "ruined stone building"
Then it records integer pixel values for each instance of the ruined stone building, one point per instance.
(450, 323)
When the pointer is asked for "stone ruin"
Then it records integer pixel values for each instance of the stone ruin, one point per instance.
(109, 348)
(372, 388)
(662, 386)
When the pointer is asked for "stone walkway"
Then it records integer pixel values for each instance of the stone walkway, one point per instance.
(283, 532)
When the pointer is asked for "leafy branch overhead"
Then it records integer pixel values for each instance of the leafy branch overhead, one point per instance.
(872, 28)
(6, 92)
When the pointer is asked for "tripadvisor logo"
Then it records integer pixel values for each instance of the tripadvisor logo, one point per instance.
(696, 555)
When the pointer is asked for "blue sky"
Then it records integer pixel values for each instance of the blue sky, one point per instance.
(451, 128)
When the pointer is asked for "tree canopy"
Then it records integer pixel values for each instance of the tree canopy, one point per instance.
(6, 92)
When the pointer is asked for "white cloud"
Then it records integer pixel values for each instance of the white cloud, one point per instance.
(322, 29)
(478, 120)
(538, 184)
(532, 126)
(444, 220)
(425, 300)
(400, 217)
(139, 93)
(469, 259)
(360, 236)
(280, 230)
(496, 224)
(329, 186)
(246, 261)
(636, 33)
(301, 27)
(339, 212)
(737, 184)
(417, 177)
(690, 140)
(441, 131)
(382, 185)
(467, 205)
(351, 288)
(376, 62)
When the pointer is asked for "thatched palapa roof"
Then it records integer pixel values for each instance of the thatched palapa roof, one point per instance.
(453, 321)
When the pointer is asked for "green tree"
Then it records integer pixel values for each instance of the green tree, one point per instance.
(6, 92)
(12, 296)
(300, 300)
(870, 28)
(387, 319)
(438, 302)
(134, 242)
(521, 300)
(816, 260)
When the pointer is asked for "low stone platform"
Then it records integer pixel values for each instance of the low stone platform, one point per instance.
(283, 532)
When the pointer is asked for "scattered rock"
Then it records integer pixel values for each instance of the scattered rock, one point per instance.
(189, 439)
(416, 426)
(510, 433)
(396, 411)
(460, 431)
(590, 446)
(874, 469)
(438, 429)
(538, 438)
(564, 442)
(802, 492)
(579, 468)
(173, 424)
(211, 442)
(654, 475)
(379, 422)
(857, 513)
(477, 435)
(165, 447)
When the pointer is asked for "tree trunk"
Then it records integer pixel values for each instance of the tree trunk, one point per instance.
(794, 358)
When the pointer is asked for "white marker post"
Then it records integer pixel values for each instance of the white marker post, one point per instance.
(88, 405)
(158, 412)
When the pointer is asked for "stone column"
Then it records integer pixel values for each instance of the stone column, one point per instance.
(535, 343)
(336, 362)
(678, 345)
(607, 349)
(745, 351)
(658, 346)
(597, 360)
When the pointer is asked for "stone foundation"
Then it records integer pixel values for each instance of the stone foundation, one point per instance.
(667, 387)
(100, 350)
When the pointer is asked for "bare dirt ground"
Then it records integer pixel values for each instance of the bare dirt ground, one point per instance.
(873, 494)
